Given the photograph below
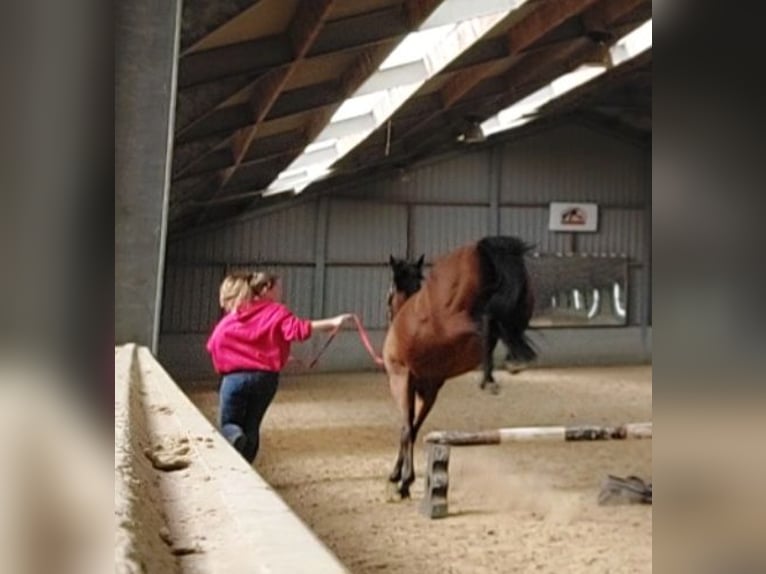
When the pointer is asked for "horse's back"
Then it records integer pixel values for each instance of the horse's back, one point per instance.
(433, 333)
(454, 281)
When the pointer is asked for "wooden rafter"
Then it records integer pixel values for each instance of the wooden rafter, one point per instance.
(254, 56)
(521, 36)
(302, 32)
(201, 18)
(379, 31)
(414, 12)
(526, 70)
(492, 75)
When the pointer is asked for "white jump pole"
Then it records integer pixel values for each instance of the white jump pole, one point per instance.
(541, 433)
(438, 445)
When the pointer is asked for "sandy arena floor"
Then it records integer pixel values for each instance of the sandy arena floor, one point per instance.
(329, 441)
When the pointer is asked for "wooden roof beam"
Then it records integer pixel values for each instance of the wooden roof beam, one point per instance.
(410, 14)
(201, 18)
(262, 148)
(520, 37)
(604, 11)
(256, 56)
(302, 32)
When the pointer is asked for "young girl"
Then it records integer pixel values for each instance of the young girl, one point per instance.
(249, 347)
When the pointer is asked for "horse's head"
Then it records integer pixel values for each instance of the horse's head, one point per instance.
(406, 281)
(407, 275)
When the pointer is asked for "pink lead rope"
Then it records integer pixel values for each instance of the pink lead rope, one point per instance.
(366, 341)
(365, 338)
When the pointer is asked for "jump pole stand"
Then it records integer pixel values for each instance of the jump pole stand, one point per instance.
(438, 444)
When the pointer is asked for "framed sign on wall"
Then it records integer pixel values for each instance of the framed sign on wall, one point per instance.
(573, 217)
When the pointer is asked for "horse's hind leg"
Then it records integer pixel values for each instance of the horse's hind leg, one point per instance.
(489, 341)
(519, 352)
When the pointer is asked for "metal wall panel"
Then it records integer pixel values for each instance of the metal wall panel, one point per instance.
(386, 188)
(620, 231)
(242, 241)
(365, 232)
(437, 230)
(531, 224)
(460, 179)
(190, 302)
(572, 163)
(190, 298)
(287, 235)
(174, 252)
(360, 290)
(298, 286)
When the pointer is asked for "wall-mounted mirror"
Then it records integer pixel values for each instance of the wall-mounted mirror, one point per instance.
(579, 290)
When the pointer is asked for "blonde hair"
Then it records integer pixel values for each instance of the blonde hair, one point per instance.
(262, 281)
(234, 291)
(240, 287)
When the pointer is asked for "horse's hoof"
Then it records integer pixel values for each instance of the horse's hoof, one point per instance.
(392, 492)
(486, 383)
(515, 368)
(492, 386)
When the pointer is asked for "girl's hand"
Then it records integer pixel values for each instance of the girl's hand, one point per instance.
(344, 318)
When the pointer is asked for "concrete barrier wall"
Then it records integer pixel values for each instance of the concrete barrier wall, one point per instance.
(138, 547)
(185, 499)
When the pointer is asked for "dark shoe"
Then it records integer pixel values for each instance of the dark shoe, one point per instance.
(629, 490)
(239, 443)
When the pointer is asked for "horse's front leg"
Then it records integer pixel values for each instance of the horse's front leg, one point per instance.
(425, 397)
(396, 473)
(404, 395)
(408, 466)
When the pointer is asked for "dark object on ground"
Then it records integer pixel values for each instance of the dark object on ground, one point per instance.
(629, 490)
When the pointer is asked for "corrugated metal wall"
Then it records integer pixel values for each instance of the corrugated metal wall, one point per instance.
(333, 252)
(572, 163)
(360, 232)
(439, 229)
(286, 236)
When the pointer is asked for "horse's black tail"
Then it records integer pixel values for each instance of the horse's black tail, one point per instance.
(506, 294)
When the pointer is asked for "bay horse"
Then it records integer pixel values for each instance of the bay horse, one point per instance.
(448, 323)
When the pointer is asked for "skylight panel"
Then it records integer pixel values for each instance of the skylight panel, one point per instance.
(523, 111)
(632, 44)
(415, 46)
(452, 28)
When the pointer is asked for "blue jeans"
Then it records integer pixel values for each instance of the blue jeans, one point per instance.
(244, 397)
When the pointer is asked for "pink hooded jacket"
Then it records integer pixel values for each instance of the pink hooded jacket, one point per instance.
(257, 336)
